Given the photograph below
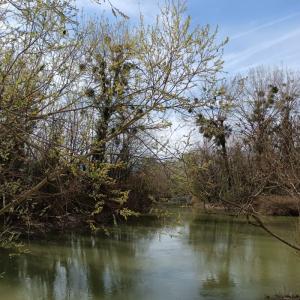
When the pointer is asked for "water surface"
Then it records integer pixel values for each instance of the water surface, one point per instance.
(193, 256)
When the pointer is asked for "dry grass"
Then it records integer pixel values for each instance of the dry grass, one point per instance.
(284, 297)
(277, 205)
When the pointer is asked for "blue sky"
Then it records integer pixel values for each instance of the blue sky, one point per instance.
(261, 31)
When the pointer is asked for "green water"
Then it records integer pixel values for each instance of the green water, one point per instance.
(196, 257)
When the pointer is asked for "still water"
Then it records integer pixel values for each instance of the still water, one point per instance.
(188, 256)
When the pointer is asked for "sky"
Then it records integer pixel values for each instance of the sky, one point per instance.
(261, 32)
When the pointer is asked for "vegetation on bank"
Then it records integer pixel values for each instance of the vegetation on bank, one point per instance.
(253, 128)
(284, 297)
(82, 103)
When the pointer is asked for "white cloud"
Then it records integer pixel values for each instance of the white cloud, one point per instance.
(242, 55)
(131, 8)
(264, 25)
(270, 51)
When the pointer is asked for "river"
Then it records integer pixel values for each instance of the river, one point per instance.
(188, 255)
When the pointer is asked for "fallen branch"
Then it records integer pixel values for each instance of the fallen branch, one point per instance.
(260, 224)
(24, 196)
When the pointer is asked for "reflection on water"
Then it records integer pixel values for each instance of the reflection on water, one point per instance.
(201, 258)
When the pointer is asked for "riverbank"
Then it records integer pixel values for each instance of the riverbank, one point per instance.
(277, 205)
(284, 297)
(264, 205)
(268, 205)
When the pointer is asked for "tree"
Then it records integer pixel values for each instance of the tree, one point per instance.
(75, 101)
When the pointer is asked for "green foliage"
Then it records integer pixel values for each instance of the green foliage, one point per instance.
(125, 213)
(80, 107)
(214, 129)
(250, 147)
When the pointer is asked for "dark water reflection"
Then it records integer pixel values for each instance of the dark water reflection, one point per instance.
(200, 258)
